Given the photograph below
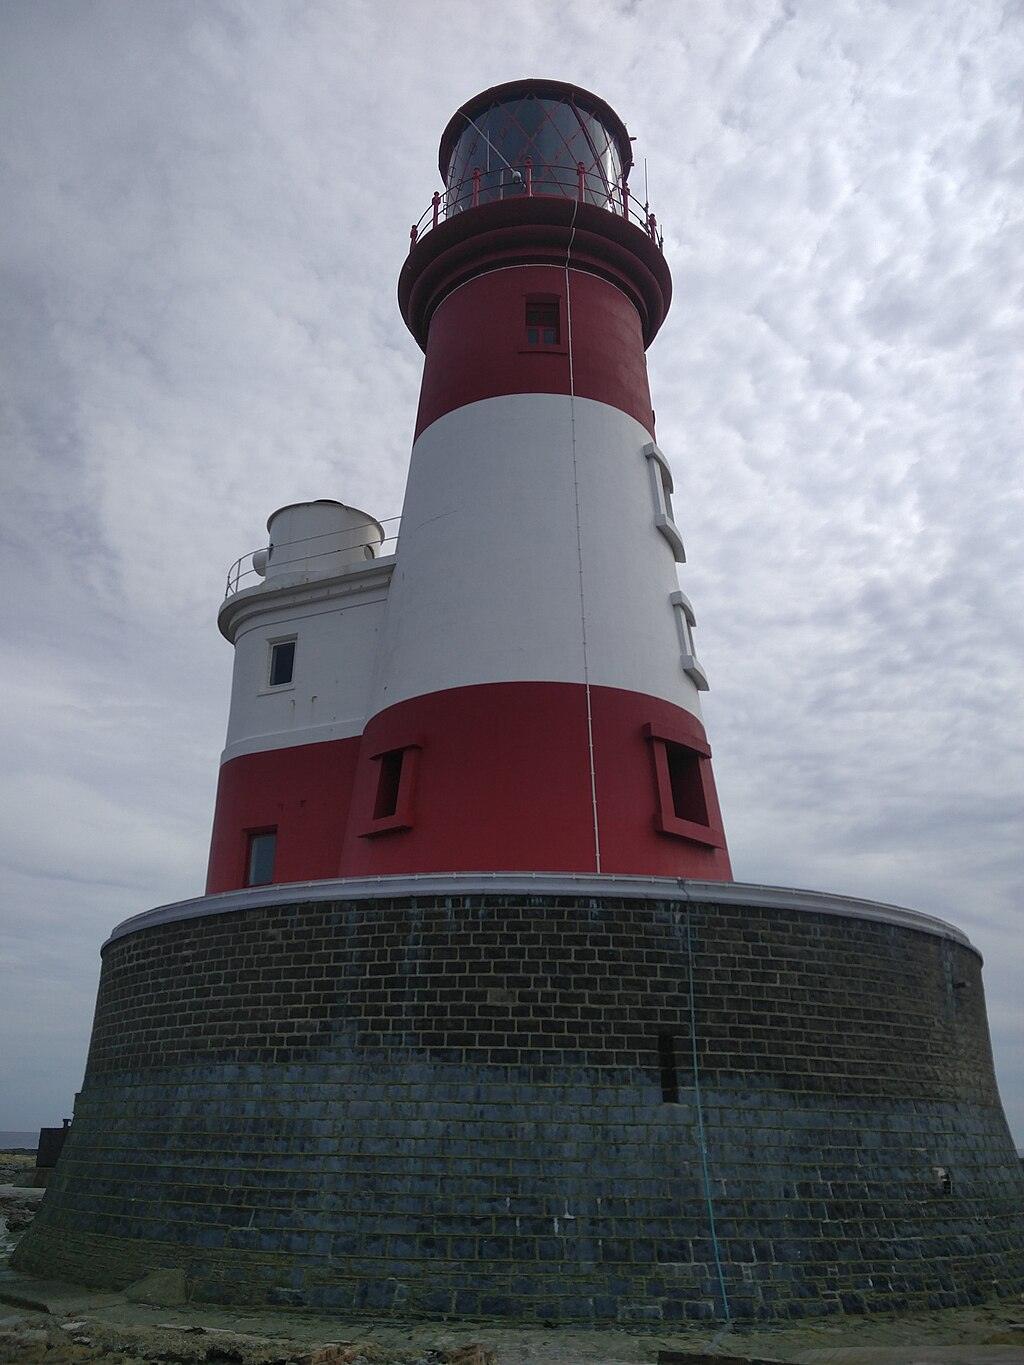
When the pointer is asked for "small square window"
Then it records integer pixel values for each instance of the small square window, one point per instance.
(259, 868)
(682, 772)
(542, 323)
(282, 663)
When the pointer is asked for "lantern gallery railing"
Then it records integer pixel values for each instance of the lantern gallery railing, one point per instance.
(250, 568)
(530, 181)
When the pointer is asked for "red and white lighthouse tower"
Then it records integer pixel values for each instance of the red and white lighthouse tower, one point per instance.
(470, 1025)
(516, 687)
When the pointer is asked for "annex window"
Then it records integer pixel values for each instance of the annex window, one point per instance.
(542, 327)
(682, 774)
(685, 622)
(394, 788)
(662, 489)
(282, 662)
(259, 861)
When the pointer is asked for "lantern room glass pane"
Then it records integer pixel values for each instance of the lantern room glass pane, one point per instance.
(554, 134)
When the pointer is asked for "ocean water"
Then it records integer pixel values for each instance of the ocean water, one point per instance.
(9, 1140)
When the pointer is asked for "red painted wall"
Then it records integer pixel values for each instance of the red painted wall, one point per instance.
(477, 349)
(503, 784)
(303, 791)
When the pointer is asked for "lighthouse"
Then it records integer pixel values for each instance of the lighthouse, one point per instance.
(472, 1019)
(516, 687)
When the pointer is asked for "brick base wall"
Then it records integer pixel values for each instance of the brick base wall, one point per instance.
(486, 1105)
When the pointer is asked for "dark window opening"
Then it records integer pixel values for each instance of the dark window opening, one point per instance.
(943, 1180)
(260, 862)
(389, 782)
(282, 663)
(686, 800)
(393, 791)
(684, 775)
(542, 324)
(667, 1066)
(666, 491)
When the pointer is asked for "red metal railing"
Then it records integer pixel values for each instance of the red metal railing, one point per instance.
(540, 182)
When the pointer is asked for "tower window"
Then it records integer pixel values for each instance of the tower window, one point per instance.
(389, 783)
(542, 323)
(394, 790)
(685, 622)
(259, 866)
(685, 785)
(682, 774)
(662, 489)
(282, 662)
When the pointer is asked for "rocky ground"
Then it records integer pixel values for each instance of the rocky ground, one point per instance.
(60, 1324)
(16, 1167)
(78, 1342)
(18, 1197)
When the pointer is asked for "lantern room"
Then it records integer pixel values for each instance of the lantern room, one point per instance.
(534, 137)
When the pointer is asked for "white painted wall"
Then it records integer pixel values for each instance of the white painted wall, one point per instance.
(486, 584)
(336, 625)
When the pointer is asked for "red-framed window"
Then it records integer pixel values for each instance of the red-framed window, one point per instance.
(543, 321)
(682, 777)
(394, 789)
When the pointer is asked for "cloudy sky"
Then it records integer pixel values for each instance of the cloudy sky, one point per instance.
(206, 206)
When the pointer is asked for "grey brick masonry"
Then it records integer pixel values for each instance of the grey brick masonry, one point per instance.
(486, 1105)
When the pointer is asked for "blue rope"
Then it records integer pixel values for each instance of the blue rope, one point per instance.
(702, 1139)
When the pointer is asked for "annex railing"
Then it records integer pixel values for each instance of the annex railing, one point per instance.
(533, 181)
(245, 574)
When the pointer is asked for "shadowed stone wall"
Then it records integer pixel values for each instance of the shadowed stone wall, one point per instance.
(485, 1104)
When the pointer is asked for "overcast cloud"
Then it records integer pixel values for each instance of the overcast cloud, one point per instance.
(206, 207)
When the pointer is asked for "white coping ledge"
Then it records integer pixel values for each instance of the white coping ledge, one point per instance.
(301, 589)
(540, 884)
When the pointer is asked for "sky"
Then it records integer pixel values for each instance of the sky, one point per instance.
(206, 207)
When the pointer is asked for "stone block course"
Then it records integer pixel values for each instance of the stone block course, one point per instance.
(445, 1104)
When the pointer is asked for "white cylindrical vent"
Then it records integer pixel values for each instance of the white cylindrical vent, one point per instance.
(319, 539)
